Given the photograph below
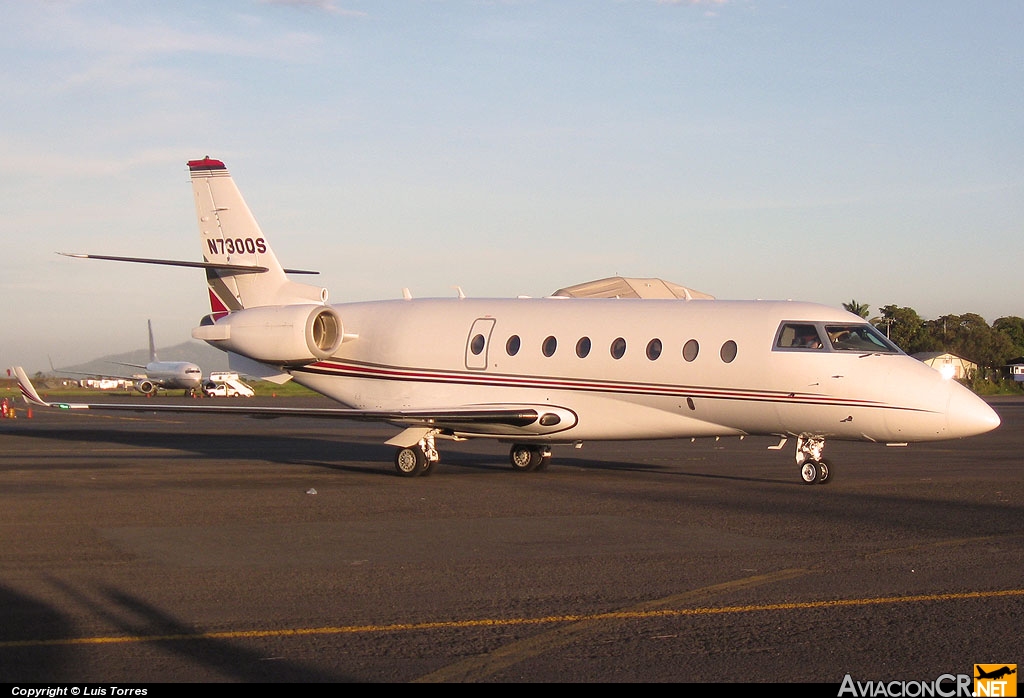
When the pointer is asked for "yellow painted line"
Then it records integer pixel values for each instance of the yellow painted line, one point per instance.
(507, 622)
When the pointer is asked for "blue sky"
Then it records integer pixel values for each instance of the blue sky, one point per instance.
(821, 151)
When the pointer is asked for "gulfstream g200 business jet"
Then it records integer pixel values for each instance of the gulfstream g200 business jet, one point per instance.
(583, 364)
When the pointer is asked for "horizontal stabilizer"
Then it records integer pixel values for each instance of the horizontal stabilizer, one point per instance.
(241, 268)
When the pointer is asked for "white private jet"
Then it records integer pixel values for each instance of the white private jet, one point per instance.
(585, 363)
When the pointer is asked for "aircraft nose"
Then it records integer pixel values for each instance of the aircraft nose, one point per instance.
(968, 414)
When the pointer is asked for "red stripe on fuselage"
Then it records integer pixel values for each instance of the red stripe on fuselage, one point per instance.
(375, 372)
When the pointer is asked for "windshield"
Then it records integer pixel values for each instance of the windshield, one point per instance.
(820, 337)
(861, 338)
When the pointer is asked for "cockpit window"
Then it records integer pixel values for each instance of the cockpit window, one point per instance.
(863, 338)
(794, 335)
(819, 336)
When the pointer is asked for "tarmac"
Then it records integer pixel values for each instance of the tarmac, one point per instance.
(138, 549)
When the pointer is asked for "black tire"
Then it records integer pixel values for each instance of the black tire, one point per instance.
(410, 462)
(524, 458)
(809, 472)
(824, 472)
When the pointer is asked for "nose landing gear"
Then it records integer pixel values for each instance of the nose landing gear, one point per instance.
(814, 470)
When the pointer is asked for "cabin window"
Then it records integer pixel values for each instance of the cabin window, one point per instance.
(618, 348)
(691, 349)
(728, 351)
(654, 349)
(583, 347)
(862, 338)
(512, 345)
(476, 345)
(799, 335)
(549, 346)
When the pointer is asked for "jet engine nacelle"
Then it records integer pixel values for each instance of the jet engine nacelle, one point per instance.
(276, 334)
(145, 387)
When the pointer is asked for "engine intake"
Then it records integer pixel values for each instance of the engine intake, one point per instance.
(277, 334)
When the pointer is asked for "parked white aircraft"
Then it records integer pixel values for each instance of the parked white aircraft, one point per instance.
(165, 375)
(665, 363)
(158, 375)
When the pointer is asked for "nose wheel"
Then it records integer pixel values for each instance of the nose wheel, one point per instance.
(814, 470)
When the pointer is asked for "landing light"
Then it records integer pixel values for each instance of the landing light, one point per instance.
(947, 371)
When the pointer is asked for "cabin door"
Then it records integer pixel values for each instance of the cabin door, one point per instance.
(477, 343)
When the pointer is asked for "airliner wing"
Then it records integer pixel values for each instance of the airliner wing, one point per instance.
(104, 375)
(486, 419)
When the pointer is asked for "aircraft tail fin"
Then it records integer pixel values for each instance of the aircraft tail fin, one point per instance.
(152, 344)
(233, 243)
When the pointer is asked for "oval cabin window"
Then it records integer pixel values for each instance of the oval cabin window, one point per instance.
(691, 349)
(477, 345)
(729, 351)
(549, 346)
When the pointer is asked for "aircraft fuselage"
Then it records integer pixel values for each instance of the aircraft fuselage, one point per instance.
(173, 375)
(639, 369)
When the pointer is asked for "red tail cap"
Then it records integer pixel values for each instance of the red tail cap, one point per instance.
(205, 164)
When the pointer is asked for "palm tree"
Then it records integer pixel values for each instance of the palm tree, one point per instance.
(862, 309)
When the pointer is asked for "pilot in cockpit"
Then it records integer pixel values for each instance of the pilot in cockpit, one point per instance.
(807, 338)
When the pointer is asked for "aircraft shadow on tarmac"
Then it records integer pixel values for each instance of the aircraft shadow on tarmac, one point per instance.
(338, 453)
(949, 515)
(33, 623)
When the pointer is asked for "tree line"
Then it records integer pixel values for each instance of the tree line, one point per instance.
(991, 347)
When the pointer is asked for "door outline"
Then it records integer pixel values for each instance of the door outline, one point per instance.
(482, 327)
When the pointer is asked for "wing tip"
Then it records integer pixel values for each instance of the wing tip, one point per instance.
(28, 391)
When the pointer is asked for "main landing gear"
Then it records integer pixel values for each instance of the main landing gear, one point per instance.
(527, 457)
(413, 461)
(417, 460)
(814, 470)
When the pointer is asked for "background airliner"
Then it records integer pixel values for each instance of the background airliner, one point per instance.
(162, 375)
(166, 375)
(586, 363)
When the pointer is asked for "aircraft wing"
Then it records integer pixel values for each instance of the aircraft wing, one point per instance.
(104, 375)
(471, 420)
